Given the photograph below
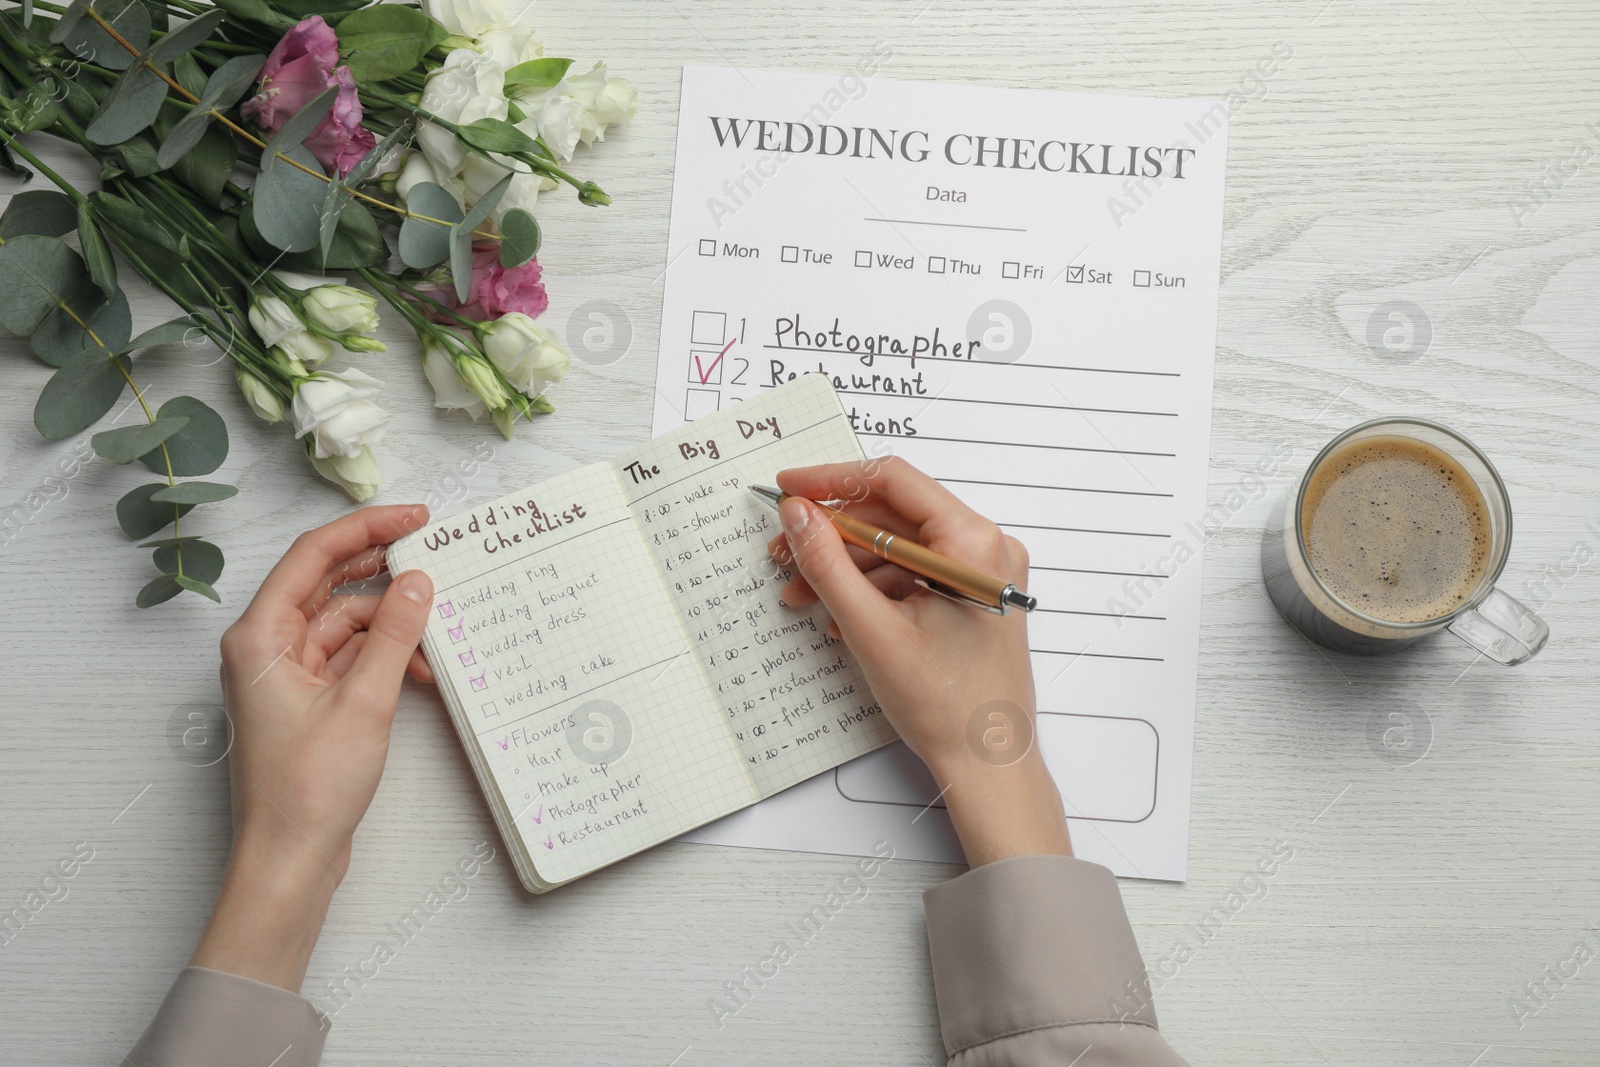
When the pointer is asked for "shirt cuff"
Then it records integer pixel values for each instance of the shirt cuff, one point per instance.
(1033, 942)
(216, 1019)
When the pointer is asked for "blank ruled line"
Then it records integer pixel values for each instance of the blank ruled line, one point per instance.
(1017, 444)
(973, 362)
(1077, 529)
(951, 225)
(1062, 488)
(1101, 614)
(1095, 655)
(1087, 570)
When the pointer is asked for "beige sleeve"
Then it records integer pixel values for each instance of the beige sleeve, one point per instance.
(215, 1019)
(1034, 963)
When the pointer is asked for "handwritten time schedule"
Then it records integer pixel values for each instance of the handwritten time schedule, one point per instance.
(1016, 291)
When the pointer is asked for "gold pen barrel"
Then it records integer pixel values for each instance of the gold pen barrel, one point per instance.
(956, 576)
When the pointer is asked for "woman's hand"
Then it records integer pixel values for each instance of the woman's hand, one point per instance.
(955, 681)
(311, 681)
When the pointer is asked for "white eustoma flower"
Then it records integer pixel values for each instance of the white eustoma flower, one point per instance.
(466, 88)
(577, 110)
(468, 18)
(281, 327)
(510, 46)
(526, 353)
(449, 390)
(296, 280)
(337, 410)
(357, 475)
(341, 309)
(521, 193)
(606, 99)
(417, 169)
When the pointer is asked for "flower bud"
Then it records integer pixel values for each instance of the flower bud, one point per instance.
(357, 475)
(340, 309)
(262, 398)
(527, 354)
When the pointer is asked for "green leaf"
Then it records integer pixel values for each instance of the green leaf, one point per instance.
(131, 105)
(159, 591)
(207, 166)
(199, 448)
(536, 74)
(386, 40)
(202, 560)
(194, 585)
(301, 124)
(189, 75)
(34, 269)
(186, 37)
(40, 211)
(256, 15)
(521, 238)
(299, 9)
(59, 338)
(79, 393)
(96, 253)
(426, 244)
(140, 516)
(357, 243)
(133, 221)
(461, 237)
(337, 198)
(86, 40)
(223, 90)
(68, 21)
(127, 443)
(495, 135)
(139, 156)
(288, 201)
(168, 333)
(195, 493)
(34, 110)
(158, 542)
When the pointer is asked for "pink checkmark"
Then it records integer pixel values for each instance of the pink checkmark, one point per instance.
(446, 610)
(549, 843)
(456, 633)
(505, 743)
(539, 817)
(480, 681)
(705, 372)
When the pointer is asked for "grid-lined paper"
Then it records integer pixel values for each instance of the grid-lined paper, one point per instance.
(612, 650)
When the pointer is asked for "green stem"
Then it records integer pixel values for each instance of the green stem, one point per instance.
(43, 168)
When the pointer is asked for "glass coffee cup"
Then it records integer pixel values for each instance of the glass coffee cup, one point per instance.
(1398, 529)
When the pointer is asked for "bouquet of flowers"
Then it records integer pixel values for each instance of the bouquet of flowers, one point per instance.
(404, 145)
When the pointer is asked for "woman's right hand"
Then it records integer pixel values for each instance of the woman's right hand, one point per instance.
(956, 682)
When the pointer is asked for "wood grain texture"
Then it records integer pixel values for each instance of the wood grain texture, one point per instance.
(1377, 164)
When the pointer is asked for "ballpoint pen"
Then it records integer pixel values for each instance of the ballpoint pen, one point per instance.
(939, 574)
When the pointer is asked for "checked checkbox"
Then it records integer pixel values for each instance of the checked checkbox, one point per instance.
(446, 610)
(457, 632)
(1075, 275)
(468, 658)
(481, 682)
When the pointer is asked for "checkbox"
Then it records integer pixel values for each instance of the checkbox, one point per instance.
(708, 247)
(863, 259)
(708, 327)
(698, 402)
(1010, 270)
(456, 632)
(1075, 275)
(479, 683)
(446, 610)
(468, 658)
(491, 710)
(1141, 278)
(791, 253)
(705, 367)
(935, 264)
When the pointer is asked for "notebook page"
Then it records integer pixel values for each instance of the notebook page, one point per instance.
(551, 626)
(794, 698)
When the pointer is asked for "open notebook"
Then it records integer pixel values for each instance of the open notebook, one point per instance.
(611, 646)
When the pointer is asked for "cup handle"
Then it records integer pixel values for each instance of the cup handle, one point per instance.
(1502, 628)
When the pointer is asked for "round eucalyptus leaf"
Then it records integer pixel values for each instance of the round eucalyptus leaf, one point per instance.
(201, 560)
(288, 201)
(195, 493)
(130, 106)
(521, 238)
(425, 243)
(140, 516)
(38, 211)
(199, 448)
(127, 443)
(129, 18)
(79, 393)
(159, 591)
(33, 270)
(60, 337)
(194, 585)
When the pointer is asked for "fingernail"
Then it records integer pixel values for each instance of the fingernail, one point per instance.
(414, 585)
(795, 515)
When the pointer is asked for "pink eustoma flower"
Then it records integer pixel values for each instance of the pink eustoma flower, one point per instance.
(301, 66)
(495, 289)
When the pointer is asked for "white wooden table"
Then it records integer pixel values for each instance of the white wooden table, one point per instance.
(1378, 164)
